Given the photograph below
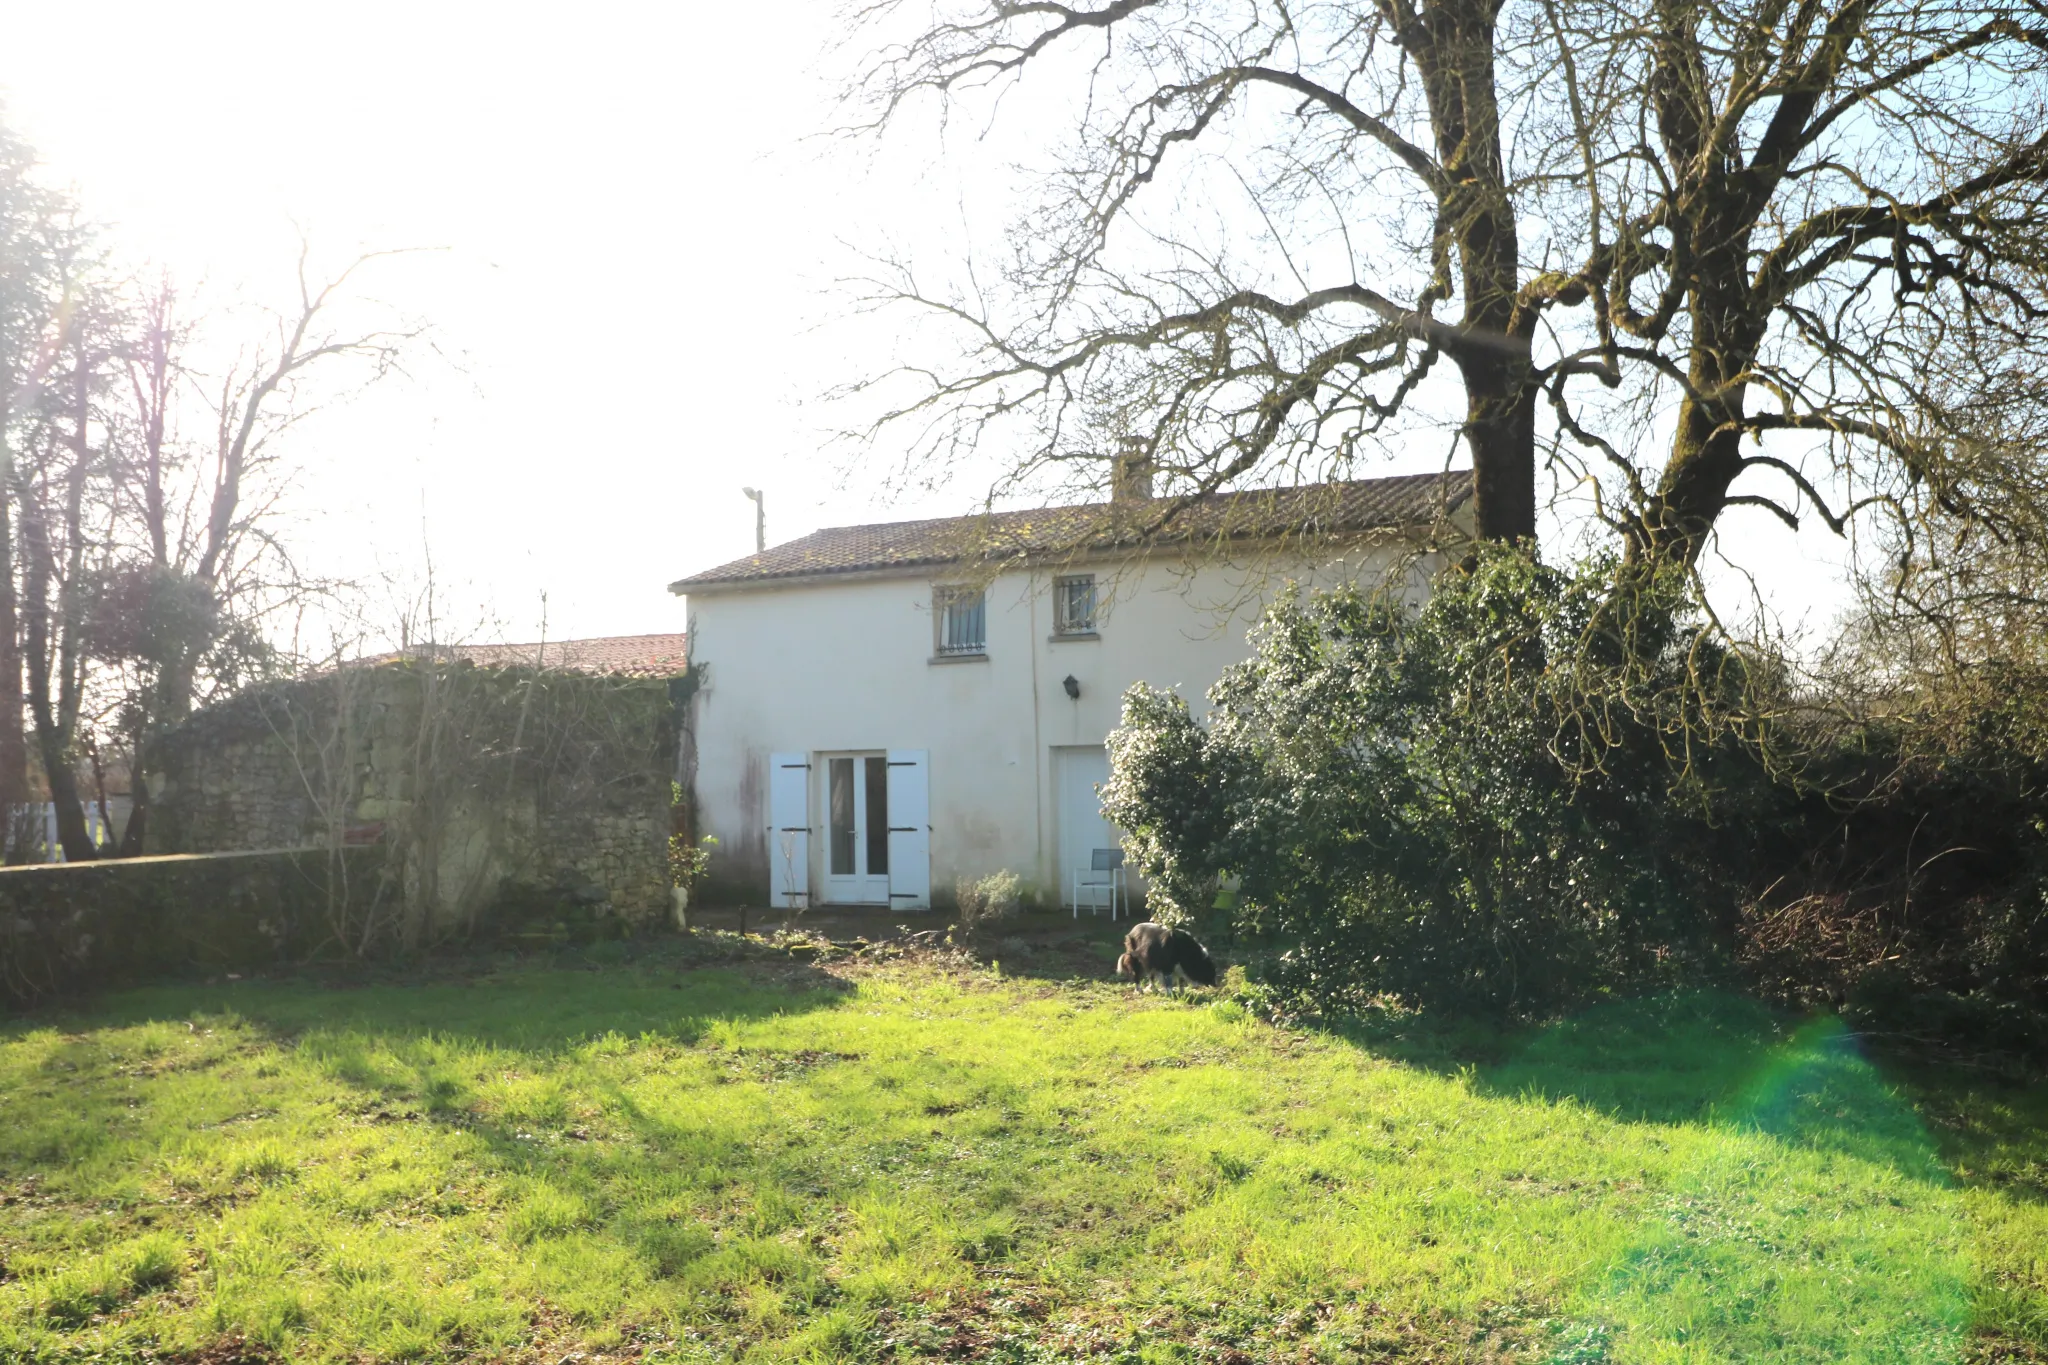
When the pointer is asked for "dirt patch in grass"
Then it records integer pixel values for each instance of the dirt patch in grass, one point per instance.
(1014, 1322)
(233, 1349)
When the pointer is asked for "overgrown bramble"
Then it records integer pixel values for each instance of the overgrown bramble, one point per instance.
(1515, 797)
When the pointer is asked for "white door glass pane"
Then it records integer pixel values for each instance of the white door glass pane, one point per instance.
(877, 814)
(842, 817)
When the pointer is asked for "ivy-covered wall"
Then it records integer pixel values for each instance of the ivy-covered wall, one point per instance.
(485, 788)
(125, 921)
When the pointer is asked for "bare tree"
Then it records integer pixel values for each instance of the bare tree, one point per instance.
(64, 537)
(1957, 589)
(1806, 226)
(143, 467)
(1323, 116)
(207, 513)
(1662, 226)
(30, 301)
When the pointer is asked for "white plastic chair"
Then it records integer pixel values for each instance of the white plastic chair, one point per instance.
(1105, 876)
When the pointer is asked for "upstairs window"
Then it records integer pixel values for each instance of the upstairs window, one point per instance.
(1073, 605)
(962, 620)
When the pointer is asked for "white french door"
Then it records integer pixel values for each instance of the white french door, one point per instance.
(856, 802)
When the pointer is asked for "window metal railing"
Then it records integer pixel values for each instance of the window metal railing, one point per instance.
(1073, 605)
(963, 622)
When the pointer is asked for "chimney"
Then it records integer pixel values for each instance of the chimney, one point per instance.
(1131, 478)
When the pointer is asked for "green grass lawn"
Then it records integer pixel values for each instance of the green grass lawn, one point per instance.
(918, 1160)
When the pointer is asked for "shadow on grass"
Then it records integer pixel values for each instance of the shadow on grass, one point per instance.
(1808, 1196)
(1702, 1057)
(666, 989)
(409, 1054)
(1697, 1057)
(1707, 1057)
(1992, 1130)
(1715, 1243)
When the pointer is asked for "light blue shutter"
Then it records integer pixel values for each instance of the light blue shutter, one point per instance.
(910, 829)
(789, 831)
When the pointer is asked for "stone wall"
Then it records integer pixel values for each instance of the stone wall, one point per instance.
(231, 791)
(68, 927)
(483, 787)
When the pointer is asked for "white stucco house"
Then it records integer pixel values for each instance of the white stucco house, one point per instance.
(886, 710)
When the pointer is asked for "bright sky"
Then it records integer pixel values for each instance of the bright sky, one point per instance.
(633, 243)
(638, 246)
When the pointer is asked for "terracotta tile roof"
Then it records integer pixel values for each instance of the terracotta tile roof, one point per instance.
(1412, 500)
(632, 656)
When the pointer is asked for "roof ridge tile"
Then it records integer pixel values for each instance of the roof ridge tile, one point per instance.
(1357, 505)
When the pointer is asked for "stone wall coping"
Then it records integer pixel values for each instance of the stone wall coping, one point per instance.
(159, 858)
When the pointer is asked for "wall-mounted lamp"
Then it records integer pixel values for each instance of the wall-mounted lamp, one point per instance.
(1073, 686)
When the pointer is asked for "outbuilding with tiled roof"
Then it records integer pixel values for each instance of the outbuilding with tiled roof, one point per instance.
(624, 656)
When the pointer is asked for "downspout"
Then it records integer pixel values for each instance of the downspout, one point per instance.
(1047, 869)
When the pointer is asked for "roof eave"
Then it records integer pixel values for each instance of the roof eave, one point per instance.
(686, 587)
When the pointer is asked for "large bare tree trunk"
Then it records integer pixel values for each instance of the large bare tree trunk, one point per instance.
(1706, 445)
(1500, 429)
(53, 738)
(1704, 461)
(13, 738)
(55, 712)
(1452, 44)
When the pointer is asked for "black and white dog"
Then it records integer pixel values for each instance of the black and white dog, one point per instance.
(1155, 954)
